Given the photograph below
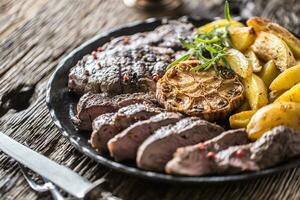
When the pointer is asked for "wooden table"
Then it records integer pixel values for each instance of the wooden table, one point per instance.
(34, 36)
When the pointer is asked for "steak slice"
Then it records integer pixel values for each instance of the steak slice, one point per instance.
(124, 146)
(107, 126)
(127, 62)
(192, 160)
(275, 146)
(92, 105)
(159, 148)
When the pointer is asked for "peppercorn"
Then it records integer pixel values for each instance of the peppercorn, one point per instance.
(211, 155)
(155, 77)
(125, 77)
(126, 40)
(201, 146)
(240, 153)
(94, 54)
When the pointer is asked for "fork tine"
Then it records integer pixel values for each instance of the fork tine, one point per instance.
(45, 187)
(35, 186)
(54, 191)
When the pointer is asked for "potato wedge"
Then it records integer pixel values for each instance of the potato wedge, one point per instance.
(275, 114)
(242, 37)
(273, 95)
(269, 73)
(256, 92)
(241, 120)
(253, 61)
(238, 63)
(287, 79)
(261, 24)
(292, 94)
(219, 23)
(268, 46)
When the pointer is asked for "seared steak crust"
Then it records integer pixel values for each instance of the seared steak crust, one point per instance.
(107, 126)
(125, 145)
(159, 148)
(92, 105)
(275, 146)
(126, 63)
(192, 160)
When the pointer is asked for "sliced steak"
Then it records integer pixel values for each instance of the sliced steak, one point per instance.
(274, 147)
(92, 105)
(124, 146)
(128, 63)
(192, 160)
(104, 129)
(159, 148)
(107, 126)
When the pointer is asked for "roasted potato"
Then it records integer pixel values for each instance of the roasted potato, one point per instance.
(238, 63)
(241, 120)
(273, 95)
(260, 24)
(253, 61)
(242, 37)
(292, 94)
(268, 46)
(218, 23)
(269, 73)
(256, 91)
(287, 79)
(275, 114)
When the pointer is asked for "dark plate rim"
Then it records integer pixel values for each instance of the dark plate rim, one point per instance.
(149, 175)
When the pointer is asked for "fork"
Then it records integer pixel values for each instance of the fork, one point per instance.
(47, 186)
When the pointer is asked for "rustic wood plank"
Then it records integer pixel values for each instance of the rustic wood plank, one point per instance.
(34, 36)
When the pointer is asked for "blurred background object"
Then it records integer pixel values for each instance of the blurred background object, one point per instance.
(284, 12)
(154, 4)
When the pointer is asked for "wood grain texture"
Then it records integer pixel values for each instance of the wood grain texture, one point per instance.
(34, 36)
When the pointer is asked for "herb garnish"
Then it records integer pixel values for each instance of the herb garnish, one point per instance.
(209, 47)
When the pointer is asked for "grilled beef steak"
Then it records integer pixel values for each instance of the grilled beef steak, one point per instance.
(192, 160)
(107, 126)
(92, 105)
(127, 63)
(125, 145)
(274, 147)
(159, 148)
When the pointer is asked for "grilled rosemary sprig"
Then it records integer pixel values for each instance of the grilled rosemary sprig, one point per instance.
(209, 48)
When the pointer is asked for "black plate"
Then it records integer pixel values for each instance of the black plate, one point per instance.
(61, 104)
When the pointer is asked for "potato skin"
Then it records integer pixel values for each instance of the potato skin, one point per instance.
(241, 119)
(274, 94)
(292, 94)
(218, 23)
(287, 79)
(256, 91)
(275, 114)
(260, 24)
(269, 72)
(238, 63)
(242, 37)
(253, 60)
(268, 46)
